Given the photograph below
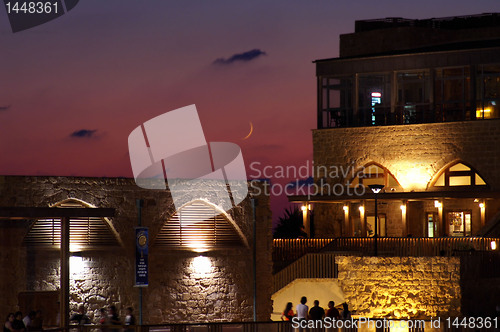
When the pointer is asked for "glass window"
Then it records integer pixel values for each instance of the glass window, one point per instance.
(460, 181)
(375, 174)
(336, 102)
(459, 167)
(374, 100)
(488, 92)
(413, 98)
(459, 174)
(370, 225)
(459, 223)
(440, 181)
(432, 224)
(453, 94)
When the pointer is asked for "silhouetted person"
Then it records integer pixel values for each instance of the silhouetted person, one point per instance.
(288, 314)
(302, 309)
(103, 317)
(80, 317)
(18, 324)
(346, 314)
(28, 320)
(316, 312)
(332, 312)
(7, 327)
(37, 322)
(113, 316)
(129, 319)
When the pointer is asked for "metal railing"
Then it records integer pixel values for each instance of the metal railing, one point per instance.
(268, 326)
(308, 266)
(286, 251)
(415, 325)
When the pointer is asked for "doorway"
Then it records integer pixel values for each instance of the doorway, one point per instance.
(370, 225)
(459, 223)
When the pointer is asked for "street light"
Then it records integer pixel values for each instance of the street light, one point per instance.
(376, 188)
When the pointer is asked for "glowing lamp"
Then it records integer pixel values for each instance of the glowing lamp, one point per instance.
(437, 204)
(493, 245)
(376, 188)
(346, 208)
(76, 264)
(481, 205)
(202, 264)
(362, 209)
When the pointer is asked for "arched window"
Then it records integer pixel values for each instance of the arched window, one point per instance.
(85, 233)
(200, 226)
(373, 173)
(458, 174)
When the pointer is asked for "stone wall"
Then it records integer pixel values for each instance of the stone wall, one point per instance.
(414, 154)
(412, 151)
(176, 293)
(401, 287)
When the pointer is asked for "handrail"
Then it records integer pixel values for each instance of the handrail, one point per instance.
(286, 251)
(308, 266)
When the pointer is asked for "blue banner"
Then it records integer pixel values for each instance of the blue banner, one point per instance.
(141, 256)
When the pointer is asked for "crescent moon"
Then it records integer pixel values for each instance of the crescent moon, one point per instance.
(250, 133)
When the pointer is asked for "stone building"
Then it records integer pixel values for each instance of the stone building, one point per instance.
(413, 105)
(200, 257)
(406, 167)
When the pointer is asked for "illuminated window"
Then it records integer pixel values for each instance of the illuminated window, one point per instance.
(488, 92)
(381, 224)
(459, 223)
(432, 224)
(374, 100)
(459, 175)
(374, 173)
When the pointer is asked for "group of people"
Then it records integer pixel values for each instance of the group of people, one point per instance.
(316, 312)
(106, 318)
(16, 323)
(33, 321)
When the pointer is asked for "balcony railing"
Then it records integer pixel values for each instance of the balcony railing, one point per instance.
(285, 251)
(308, 266)
(413, 325)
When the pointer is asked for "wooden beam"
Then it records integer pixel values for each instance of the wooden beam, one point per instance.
(64, 273)
(421, 195)
(46, 212)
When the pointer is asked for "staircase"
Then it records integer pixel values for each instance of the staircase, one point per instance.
(308, 266)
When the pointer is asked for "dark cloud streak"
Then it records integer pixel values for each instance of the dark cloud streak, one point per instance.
(240, 57)
(4, 108)
(83, 133)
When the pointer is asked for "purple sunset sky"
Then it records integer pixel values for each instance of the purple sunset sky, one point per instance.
(73, 89)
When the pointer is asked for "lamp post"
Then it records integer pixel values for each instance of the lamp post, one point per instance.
(376, 188)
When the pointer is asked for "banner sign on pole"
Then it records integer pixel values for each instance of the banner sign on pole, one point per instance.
(141, 256)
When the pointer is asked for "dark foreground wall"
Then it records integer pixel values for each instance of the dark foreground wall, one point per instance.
(177, 292)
